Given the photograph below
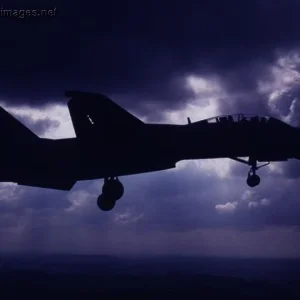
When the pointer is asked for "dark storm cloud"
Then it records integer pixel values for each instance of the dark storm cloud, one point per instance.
(135, 49)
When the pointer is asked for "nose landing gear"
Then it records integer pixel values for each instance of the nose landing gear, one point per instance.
(253, 179)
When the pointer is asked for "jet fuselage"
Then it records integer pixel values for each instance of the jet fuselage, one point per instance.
(153, 147)
(111, 142)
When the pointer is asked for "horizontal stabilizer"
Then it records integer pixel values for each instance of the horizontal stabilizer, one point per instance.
(92, 113)
(64, 185)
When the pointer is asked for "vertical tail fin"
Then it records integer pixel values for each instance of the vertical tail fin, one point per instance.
(91, 111)
(13, 130)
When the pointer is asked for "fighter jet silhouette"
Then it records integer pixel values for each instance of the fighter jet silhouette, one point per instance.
(111, 142)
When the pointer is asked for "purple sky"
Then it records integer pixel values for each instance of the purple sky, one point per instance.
(163, 62)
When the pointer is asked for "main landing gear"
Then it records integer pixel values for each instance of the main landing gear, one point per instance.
(253, 179)
(112, 191)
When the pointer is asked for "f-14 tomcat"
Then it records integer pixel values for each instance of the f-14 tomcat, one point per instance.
(110, 142)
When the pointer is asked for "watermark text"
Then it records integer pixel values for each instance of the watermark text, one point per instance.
(26, 13)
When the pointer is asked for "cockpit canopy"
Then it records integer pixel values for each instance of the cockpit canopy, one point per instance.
(238, 118)
(244, 119)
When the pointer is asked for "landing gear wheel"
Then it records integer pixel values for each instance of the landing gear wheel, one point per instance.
(105, 203)
(113, 189)
(253, 180)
